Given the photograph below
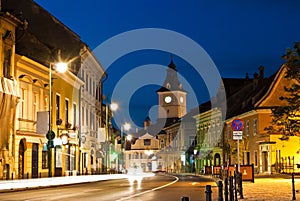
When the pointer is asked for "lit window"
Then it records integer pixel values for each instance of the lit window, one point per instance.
(247, 128)
(254, 126)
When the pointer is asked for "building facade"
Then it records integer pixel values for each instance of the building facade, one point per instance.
(144, 154)
(208, 150)
(92, 132)
(32, 43)
(9, 93)
(269, 152)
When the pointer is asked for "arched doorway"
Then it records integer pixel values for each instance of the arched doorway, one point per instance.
(35, 160)
(217, 159)
(21, 159)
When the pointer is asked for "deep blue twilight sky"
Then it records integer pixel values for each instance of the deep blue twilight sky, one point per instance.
(239, 36)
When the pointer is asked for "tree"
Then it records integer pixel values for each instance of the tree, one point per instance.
(286, 118)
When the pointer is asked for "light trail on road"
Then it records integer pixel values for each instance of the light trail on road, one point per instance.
(151, 190)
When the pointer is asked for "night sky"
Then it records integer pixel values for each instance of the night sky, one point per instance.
(239, 36)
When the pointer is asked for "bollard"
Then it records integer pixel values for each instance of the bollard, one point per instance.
(235, 188)
(220, 186)
(240, 184)
(185, 198)
(293, 187)
(208, 192)
(226, 188)
(231, 196)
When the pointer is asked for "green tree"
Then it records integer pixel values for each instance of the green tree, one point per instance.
(286, 118)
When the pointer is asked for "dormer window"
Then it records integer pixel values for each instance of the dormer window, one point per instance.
(147, 142)
(168, 86)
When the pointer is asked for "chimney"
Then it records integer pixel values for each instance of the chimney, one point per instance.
(261, 72)
(247, 76)
(255, 80)
(147, 123)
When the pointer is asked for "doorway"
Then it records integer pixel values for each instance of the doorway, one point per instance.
(264, 161)
(21, 159)
(35, 160)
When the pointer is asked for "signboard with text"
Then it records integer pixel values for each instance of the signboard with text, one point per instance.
(237, 135)
(237, 126)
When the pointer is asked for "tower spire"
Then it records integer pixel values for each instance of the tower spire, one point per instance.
(172, 64)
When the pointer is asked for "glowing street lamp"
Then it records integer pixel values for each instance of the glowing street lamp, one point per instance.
(126, 127)
(60, 67)
(113, 107)
(129, 137)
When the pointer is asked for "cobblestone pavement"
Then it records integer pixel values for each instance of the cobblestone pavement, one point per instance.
(277, 188)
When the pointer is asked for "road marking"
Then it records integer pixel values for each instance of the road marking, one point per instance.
(148, 191)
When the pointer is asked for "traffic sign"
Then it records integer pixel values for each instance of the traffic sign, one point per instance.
(50, 135)
(237, 125)
(237, 135)
(237, 132)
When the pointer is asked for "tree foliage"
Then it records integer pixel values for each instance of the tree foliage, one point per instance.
(286, 118)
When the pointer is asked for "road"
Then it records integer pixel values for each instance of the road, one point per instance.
(159, 187)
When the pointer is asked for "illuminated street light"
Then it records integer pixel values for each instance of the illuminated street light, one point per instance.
(59, 67)
(126, 127)
(129, 137)
(113, 107)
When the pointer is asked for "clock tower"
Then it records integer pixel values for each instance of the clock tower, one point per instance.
(171, 96)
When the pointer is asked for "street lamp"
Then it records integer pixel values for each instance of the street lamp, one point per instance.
(126, 127)
(113, 107)
(195, 160)
(60, 67)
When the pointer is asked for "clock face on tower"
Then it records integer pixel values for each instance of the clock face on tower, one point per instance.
(181, 99)
(168, 99)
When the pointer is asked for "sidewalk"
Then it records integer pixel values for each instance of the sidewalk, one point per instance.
(277, 188)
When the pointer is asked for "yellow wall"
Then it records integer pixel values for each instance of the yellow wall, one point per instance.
(288, 148)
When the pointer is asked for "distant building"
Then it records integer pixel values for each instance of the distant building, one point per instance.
(174, 130)
(143, 153)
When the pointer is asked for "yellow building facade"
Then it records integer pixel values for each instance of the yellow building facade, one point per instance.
(8, 94)
(65, 122)
(33, 78)
(32, 117)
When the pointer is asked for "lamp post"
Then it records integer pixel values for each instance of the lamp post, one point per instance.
(113, 107)
(60, 67)
(126, 127)
(195, 160)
